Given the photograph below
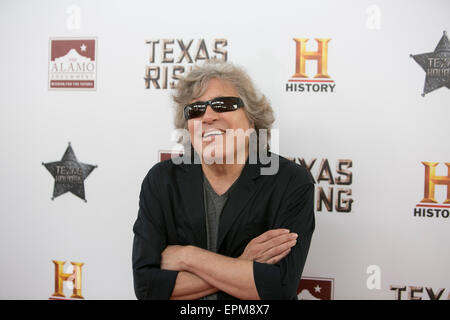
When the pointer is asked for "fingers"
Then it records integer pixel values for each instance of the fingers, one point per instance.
(278, 258)
(274, 248)
(279, 249)
(272, 245)
(270, 234)
(279, 240)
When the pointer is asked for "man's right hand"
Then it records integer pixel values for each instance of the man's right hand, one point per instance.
(270, 247)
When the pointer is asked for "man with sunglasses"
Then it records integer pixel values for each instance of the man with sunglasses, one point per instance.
(221, 229)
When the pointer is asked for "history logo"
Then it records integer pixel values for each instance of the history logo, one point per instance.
(72, 64)
(72, 278)
(305, 78)
(430, 206)
(169, 59)
(69, 174)
(436, 65)
(315, 289)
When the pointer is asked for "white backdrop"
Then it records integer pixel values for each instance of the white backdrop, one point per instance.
(375, 117)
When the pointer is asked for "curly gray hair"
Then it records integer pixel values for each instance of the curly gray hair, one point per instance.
(256, 106)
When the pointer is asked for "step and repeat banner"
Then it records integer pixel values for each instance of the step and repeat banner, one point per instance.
(360, 91)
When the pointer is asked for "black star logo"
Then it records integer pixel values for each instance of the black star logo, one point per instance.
(436, 65)
(69, 174)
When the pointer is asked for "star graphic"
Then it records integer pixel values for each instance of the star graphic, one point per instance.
(69, 174)
(317, 288)
(83, 47)
(436, 64)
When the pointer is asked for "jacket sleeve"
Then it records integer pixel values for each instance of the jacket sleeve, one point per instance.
(150, 239)
(280, 281)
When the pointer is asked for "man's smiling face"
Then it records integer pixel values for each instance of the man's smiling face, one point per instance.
(211, 139)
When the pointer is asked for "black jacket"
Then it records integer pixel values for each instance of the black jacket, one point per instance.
(171, 211)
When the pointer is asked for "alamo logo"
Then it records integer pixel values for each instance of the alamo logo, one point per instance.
(311, 288)
(72, 64)
(168, 154)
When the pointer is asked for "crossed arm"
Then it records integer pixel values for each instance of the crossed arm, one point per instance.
(186, 272)
(203, 272)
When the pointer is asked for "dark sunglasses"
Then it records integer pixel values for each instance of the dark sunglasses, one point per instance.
(219, 104)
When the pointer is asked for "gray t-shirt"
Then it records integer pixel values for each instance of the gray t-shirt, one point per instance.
(214, 205)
